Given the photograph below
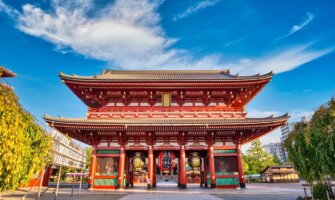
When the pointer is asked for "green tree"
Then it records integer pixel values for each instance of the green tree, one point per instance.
(24, 148)
(299, 152)
(88, 157)
(257, 158)
(276, 160)
(310, 146)
(245, 165)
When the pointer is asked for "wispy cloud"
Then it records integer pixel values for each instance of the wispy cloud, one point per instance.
(280, 61)
(199, 6)
(295, 115)
(8, 10)
(128, 35)
(295, 28)
(258, 113)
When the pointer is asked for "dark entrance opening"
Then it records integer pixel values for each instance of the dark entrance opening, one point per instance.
(196, 168)
(166, 168)
(136, 168)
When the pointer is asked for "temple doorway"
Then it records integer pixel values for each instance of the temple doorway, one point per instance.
(136, 169)
(196, 167)
(166, 168)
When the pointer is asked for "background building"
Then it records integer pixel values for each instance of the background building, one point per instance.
(286, 129)
(280, 174)
(276, 149)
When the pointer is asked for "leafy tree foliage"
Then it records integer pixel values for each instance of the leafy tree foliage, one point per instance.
(88, 157)
(24, 147)
(257, 158)
(310, 146)
(276, 160)
(245, 165)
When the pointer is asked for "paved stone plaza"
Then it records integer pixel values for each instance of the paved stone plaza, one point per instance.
(258, 191)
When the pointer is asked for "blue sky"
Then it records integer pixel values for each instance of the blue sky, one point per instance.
(295, 39)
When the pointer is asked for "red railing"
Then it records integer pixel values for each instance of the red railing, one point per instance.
(167, 109)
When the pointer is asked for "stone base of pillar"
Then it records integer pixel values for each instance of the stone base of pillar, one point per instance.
(213, 185)
(182, 186)
(149, 186)
(242, 185)
(90, 186)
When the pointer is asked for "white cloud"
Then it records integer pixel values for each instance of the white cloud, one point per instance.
(258, 113)
(280, 61)
(128, 35)
(298, 27)
(296, 115)
(8, 10)
(200, 5)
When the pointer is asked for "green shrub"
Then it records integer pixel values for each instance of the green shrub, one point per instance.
(319, 191)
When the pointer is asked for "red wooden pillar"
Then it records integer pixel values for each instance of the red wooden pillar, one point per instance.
(179, 169)
(121, 166)
(92, 170)
(206, 171)
(212, 167)
(182, 169)
(154, 173)
(240, 167)
(150, 168)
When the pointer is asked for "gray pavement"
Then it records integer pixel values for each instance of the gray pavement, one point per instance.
(260, 191)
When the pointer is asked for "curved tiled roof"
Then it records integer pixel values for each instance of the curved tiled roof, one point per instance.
(166, 121)
(4, 73)
(165, 75)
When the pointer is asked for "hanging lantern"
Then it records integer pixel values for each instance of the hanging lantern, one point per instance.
(138, 162)
(194, 161)
(166, 160)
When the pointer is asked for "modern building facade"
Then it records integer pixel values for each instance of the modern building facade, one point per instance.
(286, 129)
(188, 124)
(276, 149)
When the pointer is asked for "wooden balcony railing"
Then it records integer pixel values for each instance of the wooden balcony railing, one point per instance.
(167, 109)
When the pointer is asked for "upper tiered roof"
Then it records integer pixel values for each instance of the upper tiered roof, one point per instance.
(165, 75)
(4, 73)
(97, 90)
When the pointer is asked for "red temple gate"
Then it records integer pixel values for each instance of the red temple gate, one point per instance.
(191, 113)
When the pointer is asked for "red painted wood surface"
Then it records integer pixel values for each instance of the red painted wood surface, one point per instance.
(212, 166)
(121, 166)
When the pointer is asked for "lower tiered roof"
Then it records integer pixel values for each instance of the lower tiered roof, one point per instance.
(245, 129)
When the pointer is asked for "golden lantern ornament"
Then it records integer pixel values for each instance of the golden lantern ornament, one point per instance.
(194, 161)
(138, 162)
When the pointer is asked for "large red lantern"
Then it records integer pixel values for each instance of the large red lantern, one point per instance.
(166, 161)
